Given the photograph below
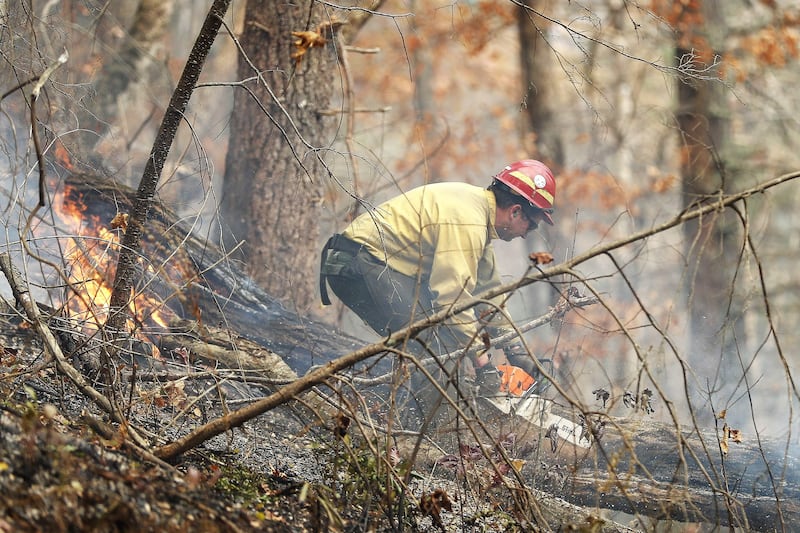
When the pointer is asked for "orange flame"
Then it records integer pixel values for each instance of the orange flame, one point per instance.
(91, 252)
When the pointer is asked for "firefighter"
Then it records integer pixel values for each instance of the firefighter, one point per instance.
(425, 249)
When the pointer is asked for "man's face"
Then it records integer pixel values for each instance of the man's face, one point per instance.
(519, 224)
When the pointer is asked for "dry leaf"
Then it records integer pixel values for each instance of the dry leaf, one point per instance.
(540, 258)
(394, 456)
(342, 424)
(433, 504)
(175, 393)
(664, 183)
(517, 464)
(305, 41)
(723, 445)
(120, 221)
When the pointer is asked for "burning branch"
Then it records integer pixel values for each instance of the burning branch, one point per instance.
(39, 83)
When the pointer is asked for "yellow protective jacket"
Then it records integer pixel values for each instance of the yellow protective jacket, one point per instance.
(442, 232)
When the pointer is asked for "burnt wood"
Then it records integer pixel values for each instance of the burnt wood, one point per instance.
(641, 466)
(197, 281)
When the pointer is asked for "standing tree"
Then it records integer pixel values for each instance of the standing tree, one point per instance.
(280, 137)
(712, 244)
(541, 134)
(128, 69)
(536, 59)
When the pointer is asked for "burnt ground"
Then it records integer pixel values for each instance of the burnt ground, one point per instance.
(64, 467)
(60, 470)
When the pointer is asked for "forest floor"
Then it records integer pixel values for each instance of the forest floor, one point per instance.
(63, 467)
(60, 472)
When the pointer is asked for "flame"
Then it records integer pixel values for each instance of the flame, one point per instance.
(62, 155)
(90, 252)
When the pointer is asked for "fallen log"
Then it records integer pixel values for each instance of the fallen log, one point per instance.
(195, 280)
(642, 467)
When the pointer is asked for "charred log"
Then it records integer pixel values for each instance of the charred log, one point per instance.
(648, 468)
(195, 280)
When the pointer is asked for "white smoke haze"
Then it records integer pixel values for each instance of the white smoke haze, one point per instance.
(620, 143)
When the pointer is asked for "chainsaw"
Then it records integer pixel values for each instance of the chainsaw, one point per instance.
(519, 395)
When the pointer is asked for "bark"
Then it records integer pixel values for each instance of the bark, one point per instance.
(226, 348)
(540, 131)
(123, 281)
(537, 91)
(644, 467)
(274, 166)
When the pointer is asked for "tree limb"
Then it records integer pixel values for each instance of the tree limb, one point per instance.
(131, 241)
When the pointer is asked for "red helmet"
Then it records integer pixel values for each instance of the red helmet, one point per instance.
(533, 181)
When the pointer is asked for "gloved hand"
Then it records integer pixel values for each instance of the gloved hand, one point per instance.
(518, 355)
(488, 380)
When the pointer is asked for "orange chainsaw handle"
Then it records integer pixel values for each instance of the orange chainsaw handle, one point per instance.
(514, 380)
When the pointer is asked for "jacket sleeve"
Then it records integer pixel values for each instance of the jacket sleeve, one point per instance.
(489, 278)
(454, 275)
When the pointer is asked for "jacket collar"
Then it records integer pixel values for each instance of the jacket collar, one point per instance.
(492, 214)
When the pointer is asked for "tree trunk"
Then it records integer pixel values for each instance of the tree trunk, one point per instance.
(712, 244)
(641, 466)
(275, 162)
(540, 132)
(537, 64)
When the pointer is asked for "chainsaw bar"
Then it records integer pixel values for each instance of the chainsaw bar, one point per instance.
(537, 411)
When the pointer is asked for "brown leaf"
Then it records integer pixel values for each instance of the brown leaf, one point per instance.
(433, 504)
(305, 41)
(175, 393)
(723, 445)
(664, 183)
(342, 424)
(394, 456)
(540, 258)
(120, 221)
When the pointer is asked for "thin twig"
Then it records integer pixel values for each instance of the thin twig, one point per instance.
(37, 88)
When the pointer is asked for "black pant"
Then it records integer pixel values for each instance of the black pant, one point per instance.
(389, 301)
